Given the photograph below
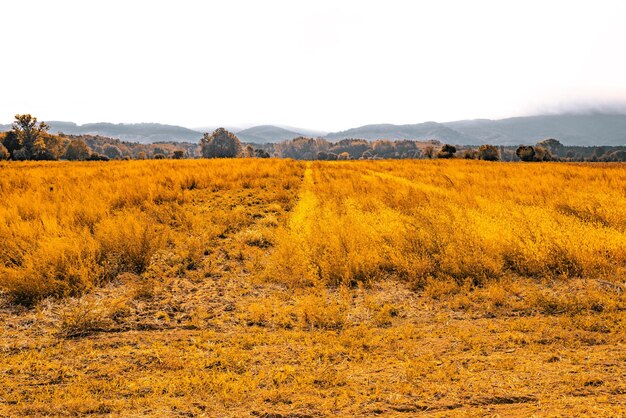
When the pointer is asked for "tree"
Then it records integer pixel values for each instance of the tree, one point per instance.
(469, 154)
(4, 153)
(261, 153)
(543, 154)
(383, 147)
(39, 150)
(300, 148)
(488, 153)
(179, 154)
(77, 150)
(112, 152)
(220, 144)
(447, 151)
(12, 142)
(322, 155)
(429, 151)
(30, 135)
(552, 145)
(248, 151)
(525, 153)
(159, 150)
(367, 155)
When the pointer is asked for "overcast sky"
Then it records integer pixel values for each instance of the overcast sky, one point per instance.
(327, 65)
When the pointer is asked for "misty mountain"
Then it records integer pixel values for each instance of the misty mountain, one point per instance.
(570, 129)
(134, 132)
(311, 133)
(419, 131)
(266, 133)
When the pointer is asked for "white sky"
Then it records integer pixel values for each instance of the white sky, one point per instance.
(327, 65)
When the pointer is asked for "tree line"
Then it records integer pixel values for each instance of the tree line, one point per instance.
(30, 140)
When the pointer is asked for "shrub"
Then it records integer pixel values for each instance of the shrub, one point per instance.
(97, 157)
(60, 267)
(84, 317)
(127, 243)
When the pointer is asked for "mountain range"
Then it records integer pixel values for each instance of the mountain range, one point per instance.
(570, 129)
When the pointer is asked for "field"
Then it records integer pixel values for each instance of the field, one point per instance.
(277, 288)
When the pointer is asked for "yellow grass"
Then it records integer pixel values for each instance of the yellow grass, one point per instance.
(260, 287)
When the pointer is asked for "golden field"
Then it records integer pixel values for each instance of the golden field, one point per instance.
(276, 288)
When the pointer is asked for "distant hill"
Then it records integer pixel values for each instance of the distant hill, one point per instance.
(419, 131)
(135, 132)
(266, 133)
(311, 133)
(571, 129)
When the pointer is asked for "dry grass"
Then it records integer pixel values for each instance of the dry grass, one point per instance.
(280, 288)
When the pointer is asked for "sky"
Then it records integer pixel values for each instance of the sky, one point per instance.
(327, 65)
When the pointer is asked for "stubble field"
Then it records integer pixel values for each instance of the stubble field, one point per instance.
(276, 288)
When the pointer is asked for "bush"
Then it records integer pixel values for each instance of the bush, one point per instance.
(60, 267)
(97, 157)
(127, 244)
(84, 317)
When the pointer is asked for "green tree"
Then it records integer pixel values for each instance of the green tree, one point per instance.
(179, 154)
(221, 144)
